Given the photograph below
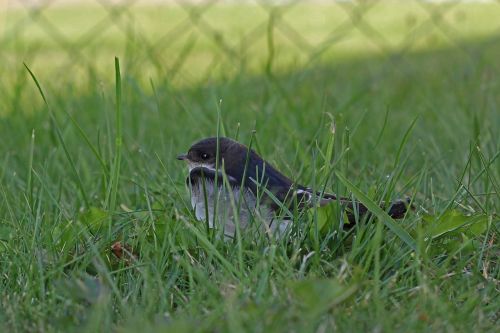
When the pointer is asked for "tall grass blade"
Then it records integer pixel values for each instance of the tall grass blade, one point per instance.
(61, 140)
(115, 175)
(379, 212)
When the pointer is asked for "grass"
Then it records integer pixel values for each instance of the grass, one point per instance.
(96, 164)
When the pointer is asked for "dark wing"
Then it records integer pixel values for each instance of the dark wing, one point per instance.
(197, 175)
(250, 170)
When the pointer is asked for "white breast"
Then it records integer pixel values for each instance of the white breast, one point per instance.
(233, 206)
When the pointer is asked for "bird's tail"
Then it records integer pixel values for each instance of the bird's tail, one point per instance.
(356, 210)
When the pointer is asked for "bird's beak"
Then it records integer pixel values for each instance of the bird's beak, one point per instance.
(182, 157)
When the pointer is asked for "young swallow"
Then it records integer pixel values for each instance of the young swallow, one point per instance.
(247, 188)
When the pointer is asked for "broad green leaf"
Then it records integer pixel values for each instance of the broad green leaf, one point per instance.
(94, 218)
(65, 236)
(453, 222)
(319, 295)
(453, 244)
(328, 216)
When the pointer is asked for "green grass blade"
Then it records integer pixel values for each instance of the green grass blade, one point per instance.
(89, 144)
(207, 244)
(61, 140)
(404, 141)
(29, 185)
(379, 212)
(115, 175)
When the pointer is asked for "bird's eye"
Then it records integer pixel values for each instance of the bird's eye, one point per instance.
(204, 156)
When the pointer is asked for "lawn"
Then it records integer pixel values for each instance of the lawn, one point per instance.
(94, 164)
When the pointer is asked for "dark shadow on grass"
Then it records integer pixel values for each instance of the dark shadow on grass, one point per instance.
(455, 93)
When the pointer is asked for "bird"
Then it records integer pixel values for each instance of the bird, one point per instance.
(230, 183)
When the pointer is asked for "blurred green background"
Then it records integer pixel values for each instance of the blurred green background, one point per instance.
(195, 41)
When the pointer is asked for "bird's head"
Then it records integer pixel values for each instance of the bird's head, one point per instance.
(204, 152)
(237, 160)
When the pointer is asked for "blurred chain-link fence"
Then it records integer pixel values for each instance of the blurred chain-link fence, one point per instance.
(189, 42)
